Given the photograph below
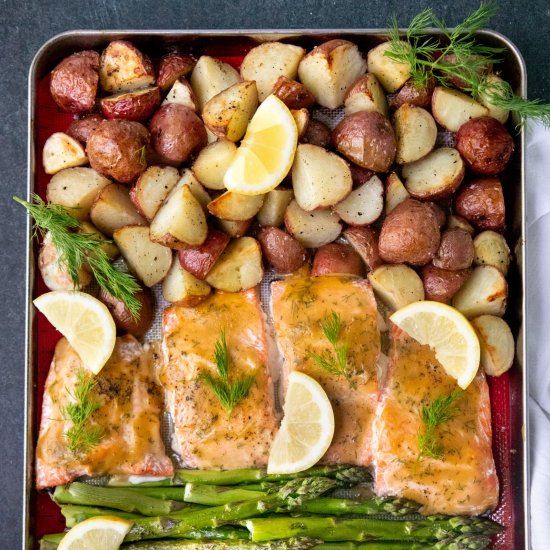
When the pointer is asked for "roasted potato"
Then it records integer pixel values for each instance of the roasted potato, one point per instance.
(118, 149)
(267, 62)
(122, 68)
(366, 138)
(484, 293)
(172, 67)
(396, 192)
(415, 133)
(396, 285)
(301, 118)
(330, 69)
(108, 246)
(419, 96)
(439, 213)
(82, 128)
(485, 145)
(62, 151)
(319, 178)
(365, 242)
(456, 250)
(113, 209)
(235, 207)
(366, 94)
(391, 74)
(239, 267)
(122, 317)
(458, 222)
(490, 248)
(74, 80)
(436, 176)
(152, 187)
(364, 204)
(360, 175)
(496, 342)
(212, 163)
(317, 133)
(75, 189)
(176, 133)
(199, 260)
(293, 94)
(481, 202)
(311, 229)
(452, 108)
(199, 192)
(181, 93)
(183, 289)
(337, 259)
(282, 252)
(410, 234)
(234, 229)
(149, 261)
(135, 105)
(227, 114)
(440, 285)
(485, 96)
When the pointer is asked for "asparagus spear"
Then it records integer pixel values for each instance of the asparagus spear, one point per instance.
(74, 514)
(462, 542)
(288, 544)
(164, 493)
(51, 542)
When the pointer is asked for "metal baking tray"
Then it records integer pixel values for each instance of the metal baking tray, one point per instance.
(508, 393)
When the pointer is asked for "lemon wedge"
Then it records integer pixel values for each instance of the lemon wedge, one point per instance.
(97, 533)
(306, 430)
(266, 152)
(447, 332)
(84, 321)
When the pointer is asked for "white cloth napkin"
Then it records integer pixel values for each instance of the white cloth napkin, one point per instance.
(538, 336)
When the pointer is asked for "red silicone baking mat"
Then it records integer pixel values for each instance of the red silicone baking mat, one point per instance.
(505, 391)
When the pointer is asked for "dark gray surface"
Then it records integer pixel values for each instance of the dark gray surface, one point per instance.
(27, 25)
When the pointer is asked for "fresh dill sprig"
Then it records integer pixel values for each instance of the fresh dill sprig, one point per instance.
(78, 249)
(81, 437)
(440, 410)
(229, 393)
(337, 363)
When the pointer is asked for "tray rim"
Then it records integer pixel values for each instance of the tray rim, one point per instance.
(258, 33)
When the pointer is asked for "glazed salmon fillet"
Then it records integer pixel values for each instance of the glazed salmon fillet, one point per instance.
(463, 479)
(207, 435)
(300, 306)
(129, 416)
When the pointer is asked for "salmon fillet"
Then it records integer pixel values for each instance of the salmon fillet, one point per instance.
(207, 435)
(129, 415)
(300, 305)
(463, 480)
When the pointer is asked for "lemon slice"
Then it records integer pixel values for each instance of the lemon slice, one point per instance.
(98, 533)
(266, 152)
(307, 427)
(84, 321)
(447, 332)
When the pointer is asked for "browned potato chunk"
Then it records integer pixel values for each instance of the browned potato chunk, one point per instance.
(364, 204)
(183, 289)
(396, 192)
(490, 248)
(481, 202)
(456, 250)
(113, 209)
(484, 293)
(293, 94)
(419, 96)
(366, 138)
(391, 74)
(311, 229)
(396, 285)
(360, 175)
(410, 234)
(123, 68)
(441, 285)
(176, 133)
(301, 118)
(82, 128)
(172, 67)
(485, 144)
(452, 108)
(282, 252)
(199, 192)
(234, 229)
(108, 246)
(235, 207)
(118, 149)
(317, 133)
(366, 94)
(458, 222)
(415, 132)
(330, 69)
(439, 213)
(135, 105)
(239, 267)
(365, 242)
(74, 80)
(337, 259)
(181, 93)
(485, 97)
(212, 163)
(496, 342)
(62, 151)
(273, 209)
(199, 260)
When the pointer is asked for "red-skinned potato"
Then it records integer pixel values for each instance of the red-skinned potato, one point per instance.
(117, 149)
(440, 285)
(293, 94)
(273, 209)
(485, 145)
(122, 68)
(173, 66)
(486, 98)
(136, 105)
(312, 229)
(451, 108)
(419, 96)
(396, 192)
(456, 250)
(364, 204)
(62, 151)
(182, 94)
(235, 207)
(199, 260)
(415, 132)
(121, 315)
(301, 118)
(458, 222)
(337, 259)
(234, 229)
(74, 80)
(439, 213)
(360, 175)
(482, 69)
(396, 285)
(182, 288)
(317, 133)
(282, 251)
(366, 138)
(365, 242)
(176, 133)
(212, 162)
(82, 128)
(366, 94)
(481, 202)
(391, 74)
(491, 248)
(496, 342)
(410, 234)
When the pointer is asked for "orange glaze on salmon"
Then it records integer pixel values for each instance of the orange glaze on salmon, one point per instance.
(131, 405)
(206, 435)
(300, 305)
(463, 480)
